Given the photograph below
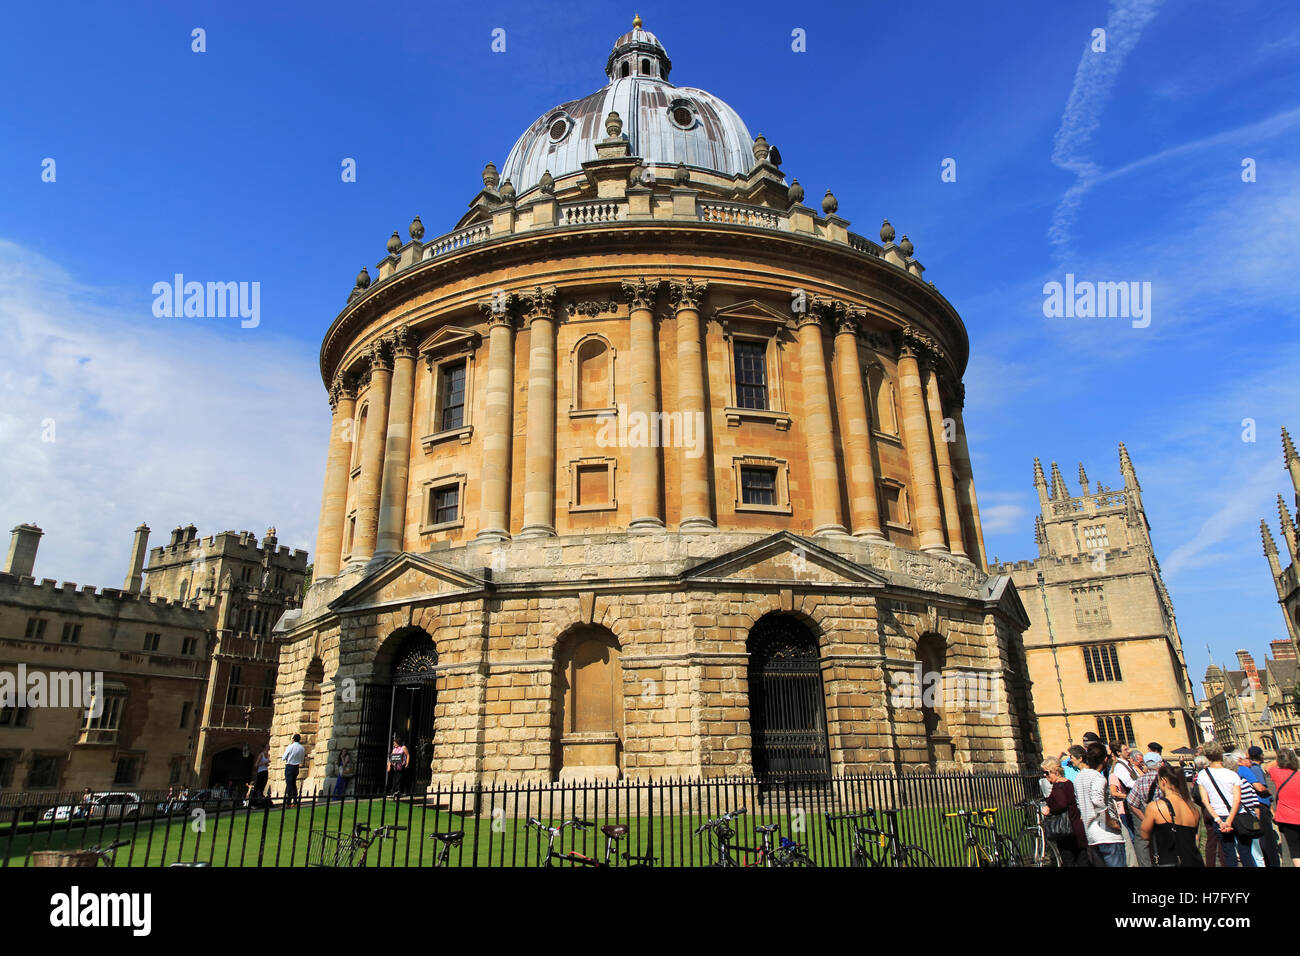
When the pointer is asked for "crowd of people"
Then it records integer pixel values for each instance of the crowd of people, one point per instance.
(1118, 805)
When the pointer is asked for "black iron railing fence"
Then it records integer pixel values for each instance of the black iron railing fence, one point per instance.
(660, 817)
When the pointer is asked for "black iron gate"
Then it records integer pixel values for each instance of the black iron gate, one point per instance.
(372, 742)
(787, 704)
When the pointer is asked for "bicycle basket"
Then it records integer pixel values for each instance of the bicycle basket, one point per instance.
(331, 849)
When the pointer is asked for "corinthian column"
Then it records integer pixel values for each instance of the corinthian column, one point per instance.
(947, 481)
(494, 520)
(334, 499)
(855, 429)
(372, 451)
(696, 486)
(397, 447)
(643, 408)
(817, 422)
(966, 479)
(926, 521)
(539, 470)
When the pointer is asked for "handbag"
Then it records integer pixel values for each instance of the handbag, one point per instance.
(1057, 826)
(1245, 826)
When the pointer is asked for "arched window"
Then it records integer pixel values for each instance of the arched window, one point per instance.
(880, 392)
(645, 67)
(185, 590)
(588, 706)
(358, 433)
(593, 375)
(626, 69)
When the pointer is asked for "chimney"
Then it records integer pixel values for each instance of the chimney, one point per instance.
(1248, 665)
(22, 550)
(1283, 650)
(139, 549)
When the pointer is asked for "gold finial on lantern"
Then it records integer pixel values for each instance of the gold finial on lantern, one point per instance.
(636, 21)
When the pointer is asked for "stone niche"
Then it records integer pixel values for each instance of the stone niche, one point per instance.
(590, 691)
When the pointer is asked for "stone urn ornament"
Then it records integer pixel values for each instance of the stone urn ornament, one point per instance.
(490, 176)
(886, 232)
(613, 125)
(416, 229)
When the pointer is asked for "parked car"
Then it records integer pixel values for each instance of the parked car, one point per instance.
(109, 806)
(187, 800)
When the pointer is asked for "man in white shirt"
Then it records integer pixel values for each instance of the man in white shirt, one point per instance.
(293, 757)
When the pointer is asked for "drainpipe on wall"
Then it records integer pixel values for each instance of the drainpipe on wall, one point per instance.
(1051, 641)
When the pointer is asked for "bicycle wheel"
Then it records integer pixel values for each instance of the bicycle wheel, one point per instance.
(914, 856)
(1008, 853)
(1053, 856)
(799, 858)
(860, 858)
(1029, 844)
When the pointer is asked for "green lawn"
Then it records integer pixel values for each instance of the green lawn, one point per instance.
(491, 838)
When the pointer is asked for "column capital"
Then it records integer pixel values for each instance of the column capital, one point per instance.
(401, 341)
(915, 343)
(343, 387)
(641, 293)
(497, 309)
(687, 294)
(539, 303)
(380, 355)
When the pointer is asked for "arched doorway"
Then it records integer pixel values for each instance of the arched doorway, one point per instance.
(403, 705)
(787, 704)
(587, 740)
(232, 767)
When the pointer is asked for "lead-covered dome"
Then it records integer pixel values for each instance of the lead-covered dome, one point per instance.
(664, 124)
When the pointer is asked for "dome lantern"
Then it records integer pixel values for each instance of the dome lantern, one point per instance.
(638, 53)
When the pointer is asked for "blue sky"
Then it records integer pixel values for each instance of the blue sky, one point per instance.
(225, 165)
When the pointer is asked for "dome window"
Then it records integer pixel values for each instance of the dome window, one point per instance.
(558, 127)
(645, 66)
(682, 114)
(626, 69)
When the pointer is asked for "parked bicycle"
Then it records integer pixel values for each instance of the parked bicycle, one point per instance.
(872, 845)
(336, 850)
(1034, 848)
(786, 852)
(452, 838)
(773, 852)
(614, 833)
(722, 831)
(984, 845)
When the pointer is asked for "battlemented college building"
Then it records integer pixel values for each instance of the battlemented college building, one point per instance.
(649, 469)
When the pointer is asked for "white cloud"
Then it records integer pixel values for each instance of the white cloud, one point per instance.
(1093, 81)
(169, 421)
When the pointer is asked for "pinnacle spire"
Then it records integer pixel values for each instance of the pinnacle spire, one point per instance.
(1270, 546)
(1039, 477)
(1059, 491)
(1288, 448)
(1285, 515)
(1083, 479)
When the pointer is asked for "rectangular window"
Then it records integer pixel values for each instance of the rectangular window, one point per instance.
(189, 646)
(71, 634)
(8, 763)
(35, 628)
(232, 688)
(444, 504)
(1101, 662)
(177, 769)
(1116, 728)
(751, 374)
(151, 641)
(14, 716)
(185, 714)
(758, 486)
(127, 772)
(43, 774)
(1095, 538)
(103, 729)
(268, 689)
(451, 391)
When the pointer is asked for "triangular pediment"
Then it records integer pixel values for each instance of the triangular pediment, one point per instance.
(1000, 593)
(449, 338)
(786, 559)
(406, 576)
(751, 311)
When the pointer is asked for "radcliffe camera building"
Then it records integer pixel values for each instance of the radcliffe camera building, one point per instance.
(1104, 651)
(648, 468)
